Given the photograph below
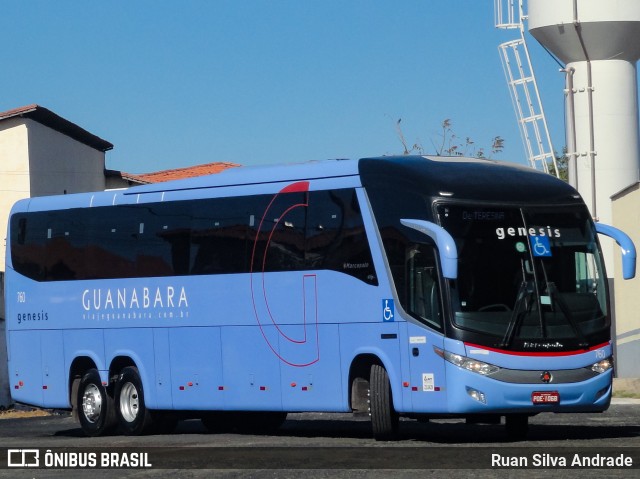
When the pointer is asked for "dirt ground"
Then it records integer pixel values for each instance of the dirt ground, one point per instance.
(14, 413)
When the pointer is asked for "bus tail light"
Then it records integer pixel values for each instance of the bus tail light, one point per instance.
(473, 365)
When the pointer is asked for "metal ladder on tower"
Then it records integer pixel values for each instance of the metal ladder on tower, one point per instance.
(509, 14)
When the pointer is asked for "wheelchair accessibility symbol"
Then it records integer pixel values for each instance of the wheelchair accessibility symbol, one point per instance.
(388, 310)
(540, 246)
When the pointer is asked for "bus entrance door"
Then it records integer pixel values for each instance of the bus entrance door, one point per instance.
(426, 370)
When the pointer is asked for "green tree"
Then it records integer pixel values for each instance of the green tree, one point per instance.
(563, 166)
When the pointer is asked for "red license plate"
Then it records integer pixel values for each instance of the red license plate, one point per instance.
(545, 397)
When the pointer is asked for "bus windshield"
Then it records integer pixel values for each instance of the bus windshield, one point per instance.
(529, 277)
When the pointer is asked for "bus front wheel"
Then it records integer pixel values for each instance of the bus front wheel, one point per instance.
(133, 415)
(384, 418)
(96, 410)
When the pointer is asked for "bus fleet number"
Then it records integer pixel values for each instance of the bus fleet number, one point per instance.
(22, 297)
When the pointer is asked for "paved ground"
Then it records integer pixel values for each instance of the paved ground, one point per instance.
(339, 445)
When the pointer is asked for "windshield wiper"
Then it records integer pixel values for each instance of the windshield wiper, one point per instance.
(552, 289)
(553, 292)
(525, 293)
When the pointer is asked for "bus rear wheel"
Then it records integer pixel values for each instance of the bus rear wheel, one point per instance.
(133, 416)
(384, 418)
(96, 410)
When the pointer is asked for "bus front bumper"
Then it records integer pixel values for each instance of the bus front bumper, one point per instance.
(469, 392)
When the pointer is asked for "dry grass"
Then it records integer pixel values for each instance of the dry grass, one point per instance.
(626, 394)
(14, 413)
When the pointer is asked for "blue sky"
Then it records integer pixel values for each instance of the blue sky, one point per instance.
(177, 83)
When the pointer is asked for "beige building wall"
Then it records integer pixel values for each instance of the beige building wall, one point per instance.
(626, 216)
(14, 172)
(60, 164)
(14, 184)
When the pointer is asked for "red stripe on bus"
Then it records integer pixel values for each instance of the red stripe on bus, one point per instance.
(550, 353)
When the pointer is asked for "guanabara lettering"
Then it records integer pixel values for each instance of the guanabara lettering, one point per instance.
(134, 298)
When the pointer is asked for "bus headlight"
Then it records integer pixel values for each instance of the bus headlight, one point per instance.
(603, 366)
(477, 395)
(469, 364)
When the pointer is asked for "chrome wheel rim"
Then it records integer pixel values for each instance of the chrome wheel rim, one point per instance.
(129, 402)
(92, 403)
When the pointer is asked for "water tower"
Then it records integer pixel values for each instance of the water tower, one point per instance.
(599, 41)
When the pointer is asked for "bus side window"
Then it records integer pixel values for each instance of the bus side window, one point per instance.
(21, 231)
(65, 247)
(324, 223)
(28, 237)
(422, 291)
(164, 236)
(336, 237)
(280, 242)
(219, 229)
(111, 242)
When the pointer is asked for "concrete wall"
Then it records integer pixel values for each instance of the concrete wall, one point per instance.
(626, 216)
(116, 183)
(59, 164)
(14, 171)
(5, 397)
(14, 185)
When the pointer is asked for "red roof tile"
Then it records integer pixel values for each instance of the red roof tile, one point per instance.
(180, 173)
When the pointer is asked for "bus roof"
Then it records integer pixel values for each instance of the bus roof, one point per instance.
(251, 175)
(470, 178)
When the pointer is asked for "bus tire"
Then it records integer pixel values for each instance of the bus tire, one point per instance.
(133, 416)
(384, 419)
(96, 409)
(517, 426)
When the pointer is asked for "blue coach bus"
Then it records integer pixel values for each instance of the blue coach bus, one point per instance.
(420, 287)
